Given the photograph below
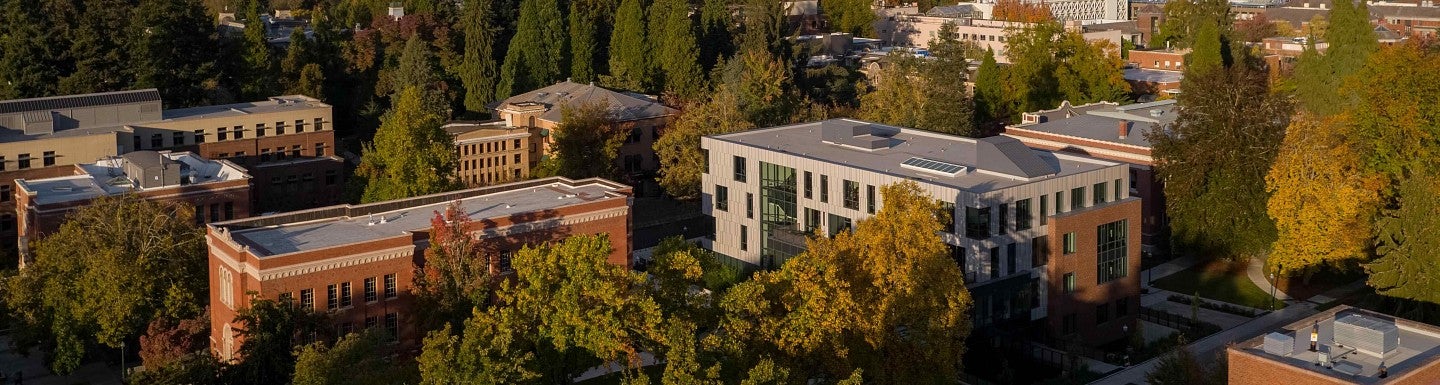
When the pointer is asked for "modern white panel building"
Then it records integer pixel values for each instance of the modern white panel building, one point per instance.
(1040, 235)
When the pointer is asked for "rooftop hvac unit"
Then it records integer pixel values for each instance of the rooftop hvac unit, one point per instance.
(1369, 335)
(1279, 344)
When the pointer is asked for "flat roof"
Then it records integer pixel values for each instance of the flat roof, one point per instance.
(107, 177)
(273, 104)
(1153, 76)
(990, 164)
(1419, 345)
(346, 224)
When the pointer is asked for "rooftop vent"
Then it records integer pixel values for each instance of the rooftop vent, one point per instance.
(862, 135)
(1279, 344)
(1370, 335)
(1155, 113)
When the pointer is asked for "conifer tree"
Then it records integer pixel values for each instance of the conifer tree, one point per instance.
(629, 53)
(536, 57)
(947, 108)
(1317, 77)
(99, 54)
(477, 72)
(29, 63)
(989, 104)
(716, 41)
(590, 25)
(418, 69)
(172, 48)
(260, 66)
(673, 39)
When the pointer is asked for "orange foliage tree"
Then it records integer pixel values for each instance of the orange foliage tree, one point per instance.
(1020, 11)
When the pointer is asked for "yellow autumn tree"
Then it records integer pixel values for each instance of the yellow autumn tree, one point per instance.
(1322, 197)
(884, 300)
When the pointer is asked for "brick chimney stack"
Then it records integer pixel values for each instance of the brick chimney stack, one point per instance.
(1123, 128)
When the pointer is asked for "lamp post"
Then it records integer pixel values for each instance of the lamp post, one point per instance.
(1272, 291)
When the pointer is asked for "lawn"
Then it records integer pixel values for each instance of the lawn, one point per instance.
(1220, 281)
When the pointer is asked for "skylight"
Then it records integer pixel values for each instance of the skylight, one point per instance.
(935, 166)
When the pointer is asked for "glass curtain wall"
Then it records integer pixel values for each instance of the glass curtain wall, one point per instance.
(778, 212)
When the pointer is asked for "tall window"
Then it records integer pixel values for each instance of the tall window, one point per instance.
(332, 297)
(808, 185)
(319, 149)
(1069, 283)
(824, 188)
(1102, 313)
(705, 154)
(838, 224)
(227, 287)
(239, 132)
(977, 222)
(994, 262)
(24, 161)
(1117, 187)
(199, 136)
(1069, 246)
(1011, 260)
(319, 124)
(1044, 208)
(1004, 218)
(392, 325)
(370, 293)
(812, 220)
(345, 294)
(222, 133)
(279, 128)
(722, 198)
(229, 210)
(1110, 251)
(157, 140)
(957, 254)
(1059, 202)
(1040, 250)
(744, 238)
(869, 199)
(307, 299)
(852, 195)
(48, 158)
(1077, 198)
(299, 125)
(1022, 214)
(389, 286)
(1098, 194)
(739, 169)
(749, 205)
(946, 215)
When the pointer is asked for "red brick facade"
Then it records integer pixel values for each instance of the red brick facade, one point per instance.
(1076, 312)
(398, 256)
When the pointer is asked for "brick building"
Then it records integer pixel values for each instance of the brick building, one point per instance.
(1113, 132)
(46, 137)
(217, 190)
(1352, 346)
(643, 115)
(1045, 239)
(493, 152)
(357, 263)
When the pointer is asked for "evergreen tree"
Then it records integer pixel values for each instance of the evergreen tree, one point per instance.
(1209, 51)
(259, 59)
(989, 103)
(417, 68)
(172, 48)
(311, 82)
(716, 42)
(672, 35)
(477, 72)
(590, 25)
(630, 67)
(1184, 18)
(850, 16)
(947, 108)
(30, 53)
(1317, 77)
(536, 57)
(297, 56)
(100, 56)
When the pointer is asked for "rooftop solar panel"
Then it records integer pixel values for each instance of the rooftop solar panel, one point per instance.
(934, 165)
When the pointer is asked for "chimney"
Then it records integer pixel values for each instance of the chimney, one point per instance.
(1123, 128)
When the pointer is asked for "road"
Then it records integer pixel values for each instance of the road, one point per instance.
(1207, 347)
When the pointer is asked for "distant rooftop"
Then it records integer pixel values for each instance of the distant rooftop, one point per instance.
(109, 177)
(1351, 336)
(272, 104)
(625, 105)
(975, 165)
(1153, 76)
(52, 103)
(345, 224)
(1100, 121)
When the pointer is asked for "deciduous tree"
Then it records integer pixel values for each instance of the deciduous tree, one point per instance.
(411, 155)
(898, 96)
(681, 159)
(360, 358)
(111, 268)
(1322, 196)
(1213, 160)
(270, 329)
(588, 141)
(457, 278)
(1184, 18)
(850, 16)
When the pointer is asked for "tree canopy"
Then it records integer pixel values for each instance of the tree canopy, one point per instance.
(411, 155)
(111, 268)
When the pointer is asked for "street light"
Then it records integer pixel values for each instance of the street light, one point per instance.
(1272, 291)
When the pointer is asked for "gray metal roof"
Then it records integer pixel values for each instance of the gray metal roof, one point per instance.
(146, 159)
(992, 163)
(52, 103)
(1103, 124)
(625, 106)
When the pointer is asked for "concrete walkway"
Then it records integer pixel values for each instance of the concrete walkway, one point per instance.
(1207, 347)
(1256, 272)
(1166, 269)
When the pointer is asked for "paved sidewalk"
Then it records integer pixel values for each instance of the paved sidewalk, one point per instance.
(1208, 346)
(1166, 269)
(1256, 272)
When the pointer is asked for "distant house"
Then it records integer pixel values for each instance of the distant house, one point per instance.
(1114, 132)
(643, 115)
